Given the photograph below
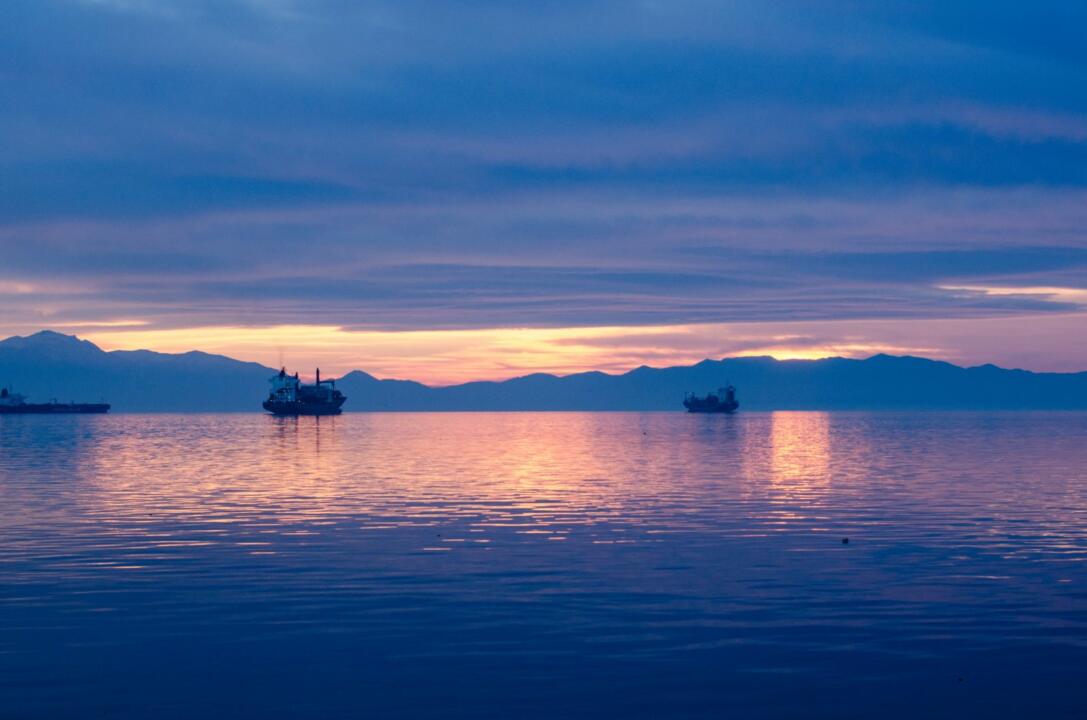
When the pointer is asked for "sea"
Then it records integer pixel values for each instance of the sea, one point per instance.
(544, 565)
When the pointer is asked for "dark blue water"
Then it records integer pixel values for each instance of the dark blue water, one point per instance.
(544, 565)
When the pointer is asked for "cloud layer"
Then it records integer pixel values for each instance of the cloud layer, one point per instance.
(402, 166)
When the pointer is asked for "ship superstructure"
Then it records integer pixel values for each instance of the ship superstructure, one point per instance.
(723, 402)
(289, 396)
(13, 403)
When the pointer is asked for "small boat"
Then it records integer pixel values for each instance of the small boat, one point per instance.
(723, 402)
(290, 397)
(12, 403)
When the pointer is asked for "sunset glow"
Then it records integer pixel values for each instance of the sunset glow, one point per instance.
(442, 357)
(580, 360)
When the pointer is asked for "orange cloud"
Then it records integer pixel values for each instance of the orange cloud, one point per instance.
(451, 356)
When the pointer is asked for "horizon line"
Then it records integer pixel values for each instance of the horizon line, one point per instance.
(620, 373)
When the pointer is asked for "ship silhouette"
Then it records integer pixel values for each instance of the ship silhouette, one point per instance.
(289, 396)
(723, 402)
(12, 403)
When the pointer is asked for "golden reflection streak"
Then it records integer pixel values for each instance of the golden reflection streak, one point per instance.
(290, 476)
(533, 472)
(800, 455)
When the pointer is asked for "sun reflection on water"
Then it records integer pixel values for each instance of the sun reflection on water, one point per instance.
(406, 546)
(800, 447)
(466, 481)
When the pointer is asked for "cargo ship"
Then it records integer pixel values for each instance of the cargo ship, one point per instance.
(723, 402)
(12, 403)
(290, 397)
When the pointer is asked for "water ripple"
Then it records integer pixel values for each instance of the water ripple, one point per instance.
(543, 564)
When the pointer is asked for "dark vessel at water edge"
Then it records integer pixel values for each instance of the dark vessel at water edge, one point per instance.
(723, 402)
(12, 403)
(290, 397)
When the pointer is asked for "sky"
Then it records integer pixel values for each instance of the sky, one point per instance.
(476, 190)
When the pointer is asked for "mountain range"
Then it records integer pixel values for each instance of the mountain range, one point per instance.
(50, 364)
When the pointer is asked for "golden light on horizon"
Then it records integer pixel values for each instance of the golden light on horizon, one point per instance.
(846, 350)
(441, 357)
(452, 356)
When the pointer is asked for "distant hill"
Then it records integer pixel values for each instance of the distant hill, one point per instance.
(50, 364)
(879, 382)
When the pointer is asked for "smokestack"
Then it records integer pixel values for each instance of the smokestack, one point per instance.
(318, 376)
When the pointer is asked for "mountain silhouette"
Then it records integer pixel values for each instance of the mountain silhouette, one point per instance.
(53, 365)
(50, 365)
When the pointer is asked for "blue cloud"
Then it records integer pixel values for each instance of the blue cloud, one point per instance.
(542, 163)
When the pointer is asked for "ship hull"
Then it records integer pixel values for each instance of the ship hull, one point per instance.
(303, 408)
(720, 410)
(55, 409)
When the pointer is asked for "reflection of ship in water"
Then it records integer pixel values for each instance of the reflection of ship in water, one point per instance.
(12, 403)
(290, 397)
(723, 402)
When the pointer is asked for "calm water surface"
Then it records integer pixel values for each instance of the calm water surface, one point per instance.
(544, 565)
